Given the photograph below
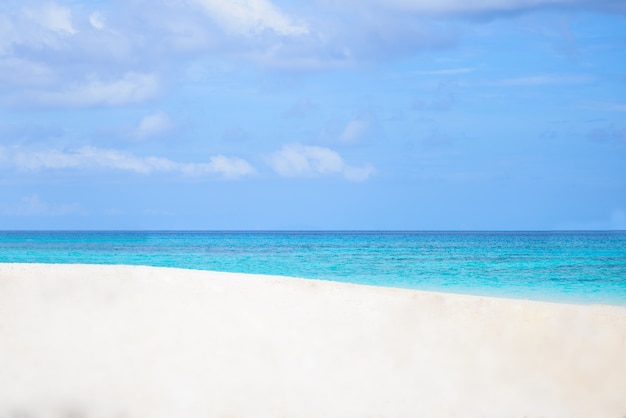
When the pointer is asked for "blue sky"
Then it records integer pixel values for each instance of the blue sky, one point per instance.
(344, 114)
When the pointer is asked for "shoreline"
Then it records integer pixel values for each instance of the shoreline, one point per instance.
(137, 341)
(555, 300)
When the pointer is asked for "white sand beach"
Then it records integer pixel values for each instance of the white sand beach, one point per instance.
(82, 341)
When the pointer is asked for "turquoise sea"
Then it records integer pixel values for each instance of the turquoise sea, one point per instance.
(587, 267)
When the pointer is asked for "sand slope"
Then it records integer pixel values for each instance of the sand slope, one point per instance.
(122, 341)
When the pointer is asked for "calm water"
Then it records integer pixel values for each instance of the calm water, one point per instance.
(587, 267)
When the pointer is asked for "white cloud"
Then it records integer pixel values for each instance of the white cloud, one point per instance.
(304, 161)
(153, 125)
(88, 158)
(52, 17)
(358, 173)
(43, 26)
(251, 16)
(354, 131)
(152, 33)
(383, 29)
(227, 167)
(295, 160)
(132, 88)
(146, 34)
(96, 20)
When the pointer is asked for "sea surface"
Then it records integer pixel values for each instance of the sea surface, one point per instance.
(579, 267)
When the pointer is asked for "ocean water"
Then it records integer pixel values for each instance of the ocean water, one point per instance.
(580, 267)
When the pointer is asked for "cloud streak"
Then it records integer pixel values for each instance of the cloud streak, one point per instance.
(90, 158)
(130, 89)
